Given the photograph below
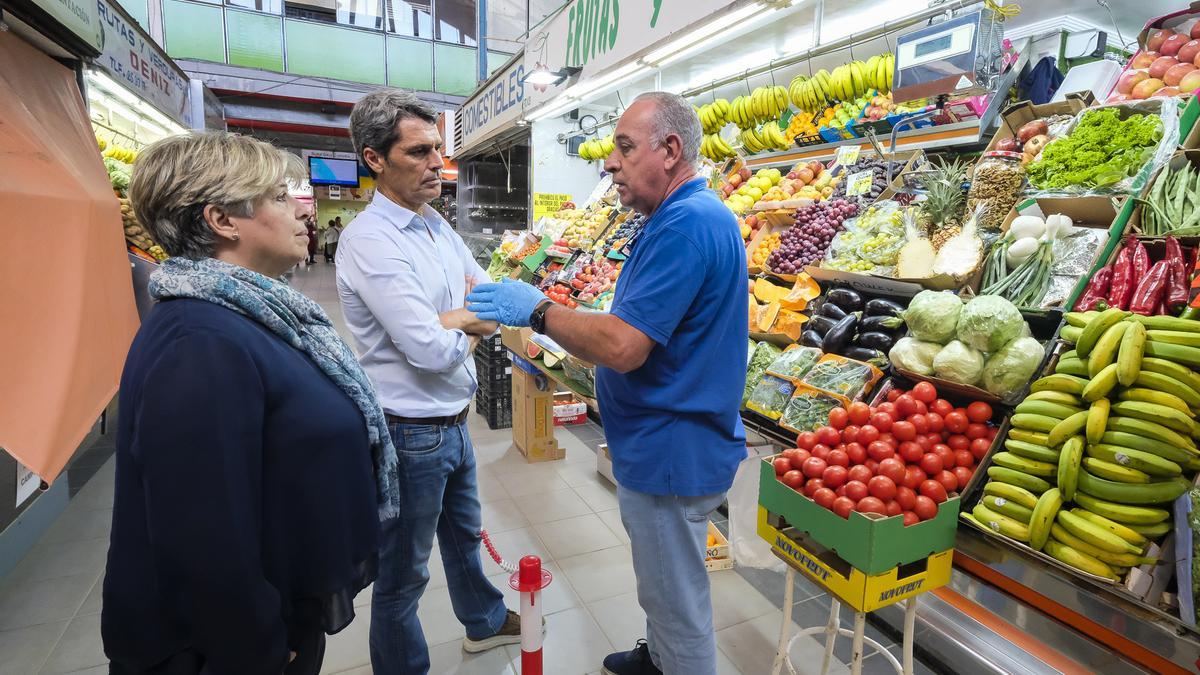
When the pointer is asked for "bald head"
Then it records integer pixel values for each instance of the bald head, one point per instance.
(657, 144)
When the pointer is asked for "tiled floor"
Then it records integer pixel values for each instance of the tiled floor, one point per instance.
(564, 511)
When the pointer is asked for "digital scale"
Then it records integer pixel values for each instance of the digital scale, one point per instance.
(957, 57)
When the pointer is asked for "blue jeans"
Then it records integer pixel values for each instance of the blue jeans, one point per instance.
(668, 535)
(438, 493)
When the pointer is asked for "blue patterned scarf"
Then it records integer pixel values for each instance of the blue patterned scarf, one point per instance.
(301, 323)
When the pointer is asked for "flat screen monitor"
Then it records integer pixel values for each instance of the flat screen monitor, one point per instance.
(328, 171)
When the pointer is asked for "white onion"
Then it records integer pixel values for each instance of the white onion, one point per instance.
(1020, 251)
(1027, 226)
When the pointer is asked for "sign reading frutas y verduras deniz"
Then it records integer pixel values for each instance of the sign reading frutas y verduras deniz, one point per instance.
(130, 57)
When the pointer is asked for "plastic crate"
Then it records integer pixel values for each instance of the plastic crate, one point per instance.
(493, 370)
(490, 347)
(497, 411)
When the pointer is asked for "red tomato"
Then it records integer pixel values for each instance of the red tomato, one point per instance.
(839, 418)
(850, 434)
(926, 508)
(935, 422)
(841, 491)
(911, 452)
(799, 460)
(824, 498)
(946, 454)
(906, 405)
(811, 487)
(868, 434)
(963, 474)
(979, 412)
(880, 451)
(871, 505)
(928, 441)
(857, 453)
(828, 436)
(925, 392)
(913, 476)
(947, 479)
(889, 408)
(820, 451)
(958, 442)
(942, 407)
(906, 497)
(893, 509)
(963, 458)
(888, 438)
(842, 506)
(893, 395)
(919, 422)
(872, 465)
(856, 490)
(956, 422)
(882, 487)
(806, 440)
(911, 518)
(979, 448)
(834, 476)
(838, 457)
(792, 454)
(905, 431)
(782, 465)
(976, 430)
(882, 421)
(793, 479)
(815, 466)
(922, 409)
(934, 490)
(892, 468)
(859, 413)
(861, 473)
(931, 463)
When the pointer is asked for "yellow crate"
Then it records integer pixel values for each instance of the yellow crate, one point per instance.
(849, 585)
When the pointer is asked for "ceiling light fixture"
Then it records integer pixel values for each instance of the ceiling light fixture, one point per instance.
(549, 78)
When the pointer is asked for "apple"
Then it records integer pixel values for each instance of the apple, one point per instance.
(735, 180)
(1174, 74)
(1191, 81)
(1009, 144)
(746, 174)
(1165, 92)
(1143, 60)
(1172, 45)
(1188, 52)
(1195, 32)
(1161, 65)
(1145, 88)
(1031, 129)
(1130, 78)
(1158, 37)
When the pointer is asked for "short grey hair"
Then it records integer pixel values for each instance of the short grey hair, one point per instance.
(674, 115)
(175, 178)
(374, 118)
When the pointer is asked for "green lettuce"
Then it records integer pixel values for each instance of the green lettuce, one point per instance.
(1101, 150)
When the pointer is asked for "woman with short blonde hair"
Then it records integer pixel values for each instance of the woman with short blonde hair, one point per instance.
(253, 460)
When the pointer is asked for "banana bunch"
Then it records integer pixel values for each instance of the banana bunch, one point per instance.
(1100, 447)
(766, 137)
(713, 116)
(597, 148)
(121, 154)
(764, 103)
(811, 94)
(102, 143)
(716, 148)
(878, 72)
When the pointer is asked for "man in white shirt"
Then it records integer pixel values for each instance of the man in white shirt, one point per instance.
(403, 275)
(331, 238)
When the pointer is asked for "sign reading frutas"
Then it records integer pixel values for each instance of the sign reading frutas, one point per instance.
(592, 27)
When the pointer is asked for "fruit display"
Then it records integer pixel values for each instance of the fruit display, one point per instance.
(623, 232)
(871, 243)
(716, 148)
(581, 226)
(903, 456)
(767, 136)
(855, 326)
(1101, 151)
(879, 173)
(801, 124)
(749, 226)
(765, 248)
(807, 241)
(744, 189)
(764, 104)
(1031, 138)
(944, 206)
(1169, 65)
(847, 82)
(804, 181)
(595, 279)
(597, 148)
(561, 294)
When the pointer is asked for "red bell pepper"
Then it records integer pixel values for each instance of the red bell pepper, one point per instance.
(1141, 257)
(1120, 291)
(1151, 289)
(1176, 297)
(1095, 295)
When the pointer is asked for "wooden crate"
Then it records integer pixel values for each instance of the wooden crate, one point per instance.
(717, 557)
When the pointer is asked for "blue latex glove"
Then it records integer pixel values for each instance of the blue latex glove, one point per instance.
(509, 303)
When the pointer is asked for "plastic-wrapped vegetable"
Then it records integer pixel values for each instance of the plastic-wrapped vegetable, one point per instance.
(914, 355)
(842, 376)
(794, 362)
(958, 362)
(770, 396)
(933, 316)
(764, 353)
(1008, 370)
(808, 409)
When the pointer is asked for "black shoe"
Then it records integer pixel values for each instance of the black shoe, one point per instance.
(634, 662)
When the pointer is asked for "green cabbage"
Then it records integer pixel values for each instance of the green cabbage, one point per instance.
(959, 363)
(932, 316)
(1011, 368)
(989, 322)
(914, 355)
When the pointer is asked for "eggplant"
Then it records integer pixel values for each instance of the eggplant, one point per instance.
(845, 298)
(821, 324)
(880, 324)
(832, 311)
(811, 338)
(871, 356)
(881, 307)
(873, 340)
(839, 336)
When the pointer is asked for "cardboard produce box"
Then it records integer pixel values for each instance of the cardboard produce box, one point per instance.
(1021, 113)
(533, 414)
(568, 410)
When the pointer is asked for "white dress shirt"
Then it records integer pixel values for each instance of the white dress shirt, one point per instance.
(396, 272)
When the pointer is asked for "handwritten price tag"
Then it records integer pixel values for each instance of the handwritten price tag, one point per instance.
(847, 155)
(859, 183)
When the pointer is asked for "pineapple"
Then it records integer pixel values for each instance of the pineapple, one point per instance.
(944, 202)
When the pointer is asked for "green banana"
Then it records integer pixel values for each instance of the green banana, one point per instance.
(1071, 367)
(1059, 382)
(1096, 328)
(1150, 379)
(1080, 319)
(1009, 527)
(1067, 428)
(1040, 453)
(1165, 322)
(1097, 420)
(1174, 337)
(1155, 396)
(1079, 560)
(1189, 356)
(1114, 472)
(1055, 410)
(1149, 429)
(1143, 443)
(1069, 463)
(1104, 352)
(1123, 531)
(1059, 397)
(1033, 422)
(1095, 534)
(1122, 513)
(1032, 467)
(1017, 495)
(1176, 370)
(1062, 534)
(1070, 334)
(1013, 510)
(1042, 517)
(1129, 355)
(1101, 383)
(1153, 531)
(1019, 478)
(1159, 492)
(1152, 412)
(1146, 462)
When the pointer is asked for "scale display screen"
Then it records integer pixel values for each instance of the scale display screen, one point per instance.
(935, 45)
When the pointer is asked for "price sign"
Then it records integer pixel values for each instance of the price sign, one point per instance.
(859, 183)
(847, 155)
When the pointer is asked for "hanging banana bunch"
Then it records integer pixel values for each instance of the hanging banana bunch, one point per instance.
(764, 103)
(597, 148)
(716, 148)
(764, 138)
(713, 116)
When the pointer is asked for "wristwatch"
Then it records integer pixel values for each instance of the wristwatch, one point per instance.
(537, 320)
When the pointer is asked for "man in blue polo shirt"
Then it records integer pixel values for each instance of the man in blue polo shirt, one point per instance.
(672, 357)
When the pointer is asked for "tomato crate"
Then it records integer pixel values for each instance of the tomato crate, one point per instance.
(497, 411)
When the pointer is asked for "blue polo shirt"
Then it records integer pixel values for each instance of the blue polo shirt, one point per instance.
(673, 425)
